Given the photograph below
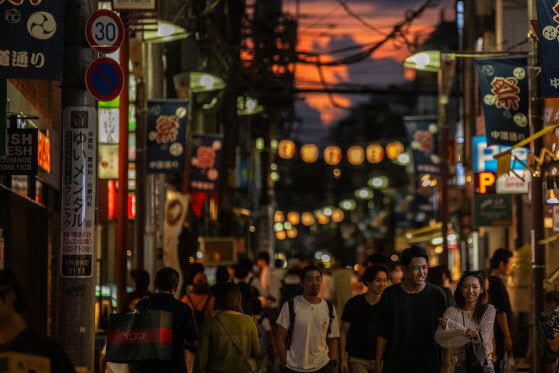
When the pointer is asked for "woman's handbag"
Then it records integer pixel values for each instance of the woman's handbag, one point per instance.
(238, 348)
(474, 362)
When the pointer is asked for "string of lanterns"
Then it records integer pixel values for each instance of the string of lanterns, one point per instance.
(356, 155)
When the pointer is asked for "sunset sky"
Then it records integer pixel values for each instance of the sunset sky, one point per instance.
(324, 26)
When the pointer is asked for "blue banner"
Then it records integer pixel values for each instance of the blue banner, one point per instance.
(503, 84)
(423, 135)
(32, 39)
(205, 163)
(166, 139)
(548, 25)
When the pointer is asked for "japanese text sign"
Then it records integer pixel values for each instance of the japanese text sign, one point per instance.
(79, 181)
(31, 46)
(503, 85)
(492, 210)
(548, 25)
(166, 138)
(423, 134)
(21, 157)
(205, 162)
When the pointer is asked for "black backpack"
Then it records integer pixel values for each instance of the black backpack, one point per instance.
(247, 293)
(291, 307)
(289, 291)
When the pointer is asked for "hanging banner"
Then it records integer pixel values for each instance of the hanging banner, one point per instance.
(503, 84)
(79, 182)
(205, 163)
(176, 208)
(548, 26)
(423, 134)
(166, 126)
(33, 49)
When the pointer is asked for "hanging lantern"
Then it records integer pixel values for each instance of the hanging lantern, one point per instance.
(356, 155)
(292, 233)
(337, 215)
(348, 204)
(281, 235)
(279, 217)
(286, 149)
(375, 153)
(293, 218)
(307, 219)
(309, 153)
(332, 155)
(394, 149)
(323, 219)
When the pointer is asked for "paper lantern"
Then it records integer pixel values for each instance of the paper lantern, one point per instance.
(309, 153)
(323, 219)
(307, 219)
(332, 155)
(375, 153)
(348, 204)
(394, 149)
(293, 218)
(279, 217)
(292, 233)
(281, 235)
(337, 215)
(356, 155)
(286, 149)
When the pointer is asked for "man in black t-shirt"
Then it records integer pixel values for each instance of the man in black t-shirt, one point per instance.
(185, 332)
(499, 297)
(408, 316)
(358, 336)
(14, 334)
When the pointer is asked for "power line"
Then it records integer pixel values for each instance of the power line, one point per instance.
(358, 17)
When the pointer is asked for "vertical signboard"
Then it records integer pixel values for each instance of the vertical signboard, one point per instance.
(205, 163)
(79, 180)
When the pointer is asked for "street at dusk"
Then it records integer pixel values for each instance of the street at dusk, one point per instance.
(279, 186)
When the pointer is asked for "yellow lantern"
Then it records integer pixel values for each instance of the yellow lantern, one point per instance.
(375, 153)
(356, 155)
(323, 219)
(337, 215)
(293, 218)
(279, 217)
(307, 218)
(309, 153)
(292, 233)
(286, 149)
(394, 149)
(332, 155)
(281, 235)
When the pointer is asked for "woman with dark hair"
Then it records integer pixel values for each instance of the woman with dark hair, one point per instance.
(440, 276)
(229, 339)
(471, 320)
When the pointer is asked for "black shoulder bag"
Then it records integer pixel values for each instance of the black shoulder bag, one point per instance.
(474, 362)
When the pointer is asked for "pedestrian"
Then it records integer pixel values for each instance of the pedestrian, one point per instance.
(140, 278)
(201, 302)
(395, 274)
(185, 332)
(265, 334)
(221, 276)
(501, 266)
(188, 279)
(410, 313)
(290, 285)
(263, 262)
(470, 320)
(277, 275)
(358, 330)
(327, 286)
(15, 336)
(440, 276)
(308, 329)
(229, 339)
(553, 336)
(247, 284)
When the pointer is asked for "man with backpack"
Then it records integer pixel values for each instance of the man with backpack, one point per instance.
(308, 330)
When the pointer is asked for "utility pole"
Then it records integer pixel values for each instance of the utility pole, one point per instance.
(140, 219)
(75, 326)
(122, 196)
(538, 252)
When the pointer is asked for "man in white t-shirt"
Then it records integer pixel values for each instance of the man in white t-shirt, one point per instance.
(308, 336)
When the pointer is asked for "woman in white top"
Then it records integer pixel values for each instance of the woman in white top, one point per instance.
(465, 322)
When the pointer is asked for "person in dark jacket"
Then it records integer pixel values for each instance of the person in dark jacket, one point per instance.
(185, 332)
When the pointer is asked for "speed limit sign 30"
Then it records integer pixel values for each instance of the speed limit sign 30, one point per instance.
(104, 31)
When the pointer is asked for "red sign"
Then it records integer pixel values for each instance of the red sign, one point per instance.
(44, 151)
(104, 79)
(104, 31)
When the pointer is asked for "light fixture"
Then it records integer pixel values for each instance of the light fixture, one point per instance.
(307, 219)
(165, 31)
(292, 233)
(327, 211)
(202, 82)
(348, 204)
(325, 258)
(337, 215)
(427, 61)
(248, 105)
(281, 235)
(286, 149)
(364, 193)
(279, 217)
(278, 227)
(293, 217)
(287, 225)
(378, 182)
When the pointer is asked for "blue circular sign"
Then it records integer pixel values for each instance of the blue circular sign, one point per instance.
(104, 79)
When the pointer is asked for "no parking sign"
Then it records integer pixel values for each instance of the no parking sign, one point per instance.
(104, 79)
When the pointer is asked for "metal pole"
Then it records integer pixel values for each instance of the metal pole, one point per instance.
(3, 114)
(75, 325)
(140, 220)
(122, 198)
(443, 151)
(538, 250)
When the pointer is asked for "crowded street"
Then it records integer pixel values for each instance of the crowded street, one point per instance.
(279, 186)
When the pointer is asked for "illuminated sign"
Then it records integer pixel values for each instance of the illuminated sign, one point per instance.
(485, 183)
(43, 153)
(483, 155)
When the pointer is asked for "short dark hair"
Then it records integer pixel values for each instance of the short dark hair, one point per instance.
(413, 252)
(228, 297)
(254, 306)
(500, 256)
(371, 272)
(278, 263)
(263, 255)
(308, 269)
(141, 278)
(9, 282)
(167, 279)
(241, 271)
(193, 270)
(221, 274)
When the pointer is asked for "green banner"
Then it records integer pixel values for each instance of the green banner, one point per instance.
(493, 210)
(3, 104)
